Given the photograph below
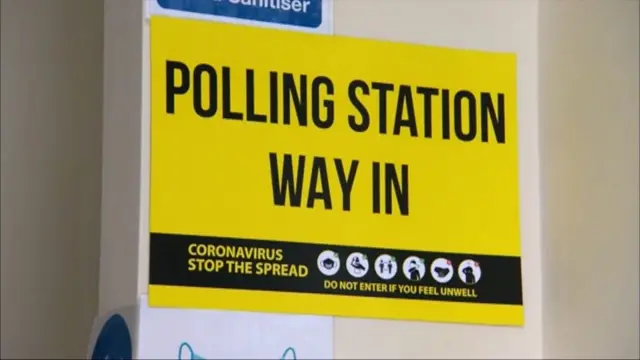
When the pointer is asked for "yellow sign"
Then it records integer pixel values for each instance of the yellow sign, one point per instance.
(329, 175)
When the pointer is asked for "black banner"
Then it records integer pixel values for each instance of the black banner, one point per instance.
(215, 262)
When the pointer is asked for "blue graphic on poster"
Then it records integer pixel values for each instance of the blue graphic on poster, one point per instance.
(114, 340)
(185, 352)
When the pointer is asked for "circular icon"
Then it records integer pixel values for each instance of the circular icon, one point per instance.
(386, 266)
(413, 268)
(469, 272)
(114, 340)
(357, 264)
(442, 270)
(328, 262)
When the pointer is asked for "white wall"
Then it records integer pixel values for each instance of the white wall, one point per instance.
(588, 183)
(123, 201)
(589, 125)
(50, 143)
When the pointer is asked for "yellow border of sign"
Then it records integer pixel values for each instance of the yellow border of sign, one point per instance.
(335, 305)
(340, 305)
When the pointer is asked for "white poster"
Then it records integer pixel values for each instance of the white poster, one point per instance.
(212, 334)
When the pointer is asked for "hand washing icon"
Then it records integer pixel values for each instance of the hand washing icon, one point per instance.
(185, 352)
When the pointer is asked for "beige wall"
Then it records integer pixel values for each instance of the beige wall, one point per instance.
(589, 126)
(580, 211)
(51, 145)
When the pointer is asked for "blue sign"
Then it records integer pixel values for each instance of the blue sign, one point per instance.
(303, 13)
(114, 340)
